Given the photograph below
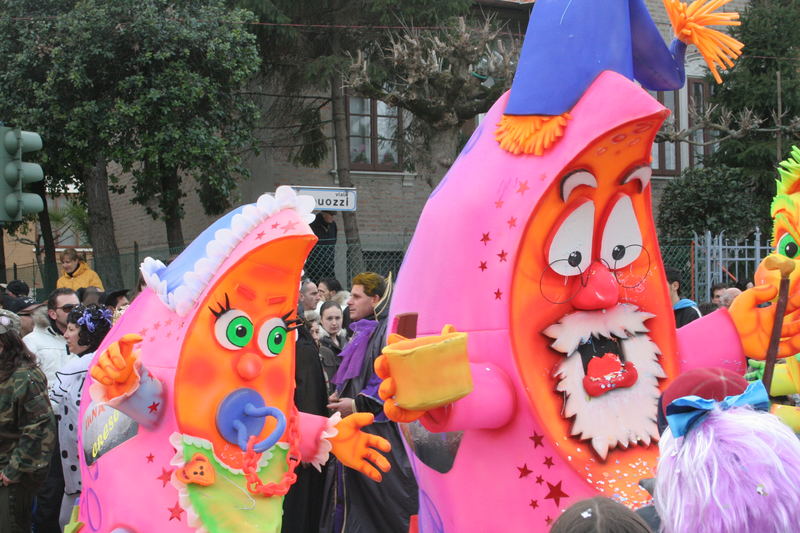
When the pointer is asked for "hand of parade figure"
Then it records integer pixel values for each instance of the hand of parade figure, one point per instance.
(754, 323)
(387, 391)
(345, 406)
(357, 449)
(4, 480)
(115, 366)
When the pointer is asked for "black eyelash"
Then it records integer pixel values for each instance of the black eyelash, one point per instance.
(293, 324)
(222, 308)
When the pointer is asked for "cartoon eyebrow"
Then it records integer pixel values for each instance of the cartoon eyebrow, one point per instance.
(246, 291)
(643, 174)
(293, 324)
(575, 180)
(222, 308)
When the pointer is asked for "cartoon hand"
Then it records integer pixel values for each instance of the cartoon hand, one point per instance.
(388, 389)
(359, 450)
(755, 370)
(423, 374)
(754, 323)
(115, 367)
(74, 525)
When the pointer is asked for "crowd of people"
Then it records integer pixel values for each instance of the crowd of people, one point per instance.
(46, 350)
(722, 455)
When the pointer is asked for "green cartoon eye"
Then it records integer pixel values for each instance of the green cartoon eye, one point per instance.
(788, 246)
(233, 329)
(272, 337)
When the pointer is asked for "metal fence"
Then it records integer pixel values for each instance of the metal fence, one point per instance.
(703, 261)
(719, 259)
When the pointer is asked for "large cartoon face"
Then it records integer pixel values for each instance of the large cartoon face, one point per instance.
(235, 377)
(591, 319)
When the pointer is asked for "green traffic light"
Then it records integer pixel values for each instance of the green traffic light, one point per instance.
(14, 203)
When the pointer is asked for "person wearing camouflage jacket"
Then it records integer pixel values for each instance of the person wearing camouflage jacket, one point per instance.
(27, 428)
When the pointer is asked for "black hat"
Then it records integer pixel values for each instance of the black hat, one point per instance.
(17, 305)
(111, 297)
(18, 287)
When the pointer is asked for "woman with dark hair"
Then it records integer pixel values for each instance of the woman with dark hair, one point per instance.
(27, 428)
(86, 329)
(599, 515)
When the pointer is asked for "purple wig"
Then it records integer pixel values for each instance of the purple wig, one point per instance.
(737, 470)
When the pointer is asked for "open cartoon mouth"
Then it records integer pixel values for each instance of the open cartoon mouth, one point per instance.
(604, 366)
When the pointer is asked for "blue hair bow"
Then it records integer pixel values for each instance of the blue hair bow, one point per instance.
(684, 413)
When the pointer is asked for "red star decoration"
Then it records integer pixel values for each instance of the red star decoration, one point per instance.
(152, 339)
(168, 322)
(537, 440)
(275, 225)
(523, 186)
(498, 294)
(498, 204)
(503, 256)
(483, 266)
(157, 325)
(539, 480)
(260, 235)
(524, 471)
(548, 462)
(534, 504)
(165, 476)
(512, 222)
(150, 458)
(555, 493)
(175, 512)
(183, 323)
(548, 520)
(485, 239)
(153, 407)
(289, 226)
(143, 332)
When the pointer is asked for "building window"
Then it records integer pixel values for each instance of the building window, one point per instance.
(667, 154)
(375, 133)
(700, 91)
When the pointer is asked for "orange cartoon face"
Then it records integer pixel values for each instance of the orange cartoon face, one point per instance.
(592, 321)
(235, 376)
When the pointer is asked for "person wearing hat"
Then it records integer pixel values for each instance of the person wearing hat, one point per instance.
(24, 307)
(27, 427)
(14, 289)
(114, 300)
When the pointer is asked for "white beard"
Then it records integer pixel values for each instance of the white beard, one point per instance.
(624, 416)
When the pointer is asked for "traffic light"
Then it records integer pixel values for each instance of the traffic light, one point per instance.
(14, 203)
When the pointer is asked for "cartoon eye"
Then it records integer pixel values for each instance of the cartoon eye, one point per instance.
(571, 247)
(622, 239)
(233, 329)
(272, 337)
(788, 246)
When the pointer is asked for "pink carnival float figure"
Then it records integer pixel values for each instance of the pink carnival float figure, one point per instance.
(191, 424)
(542, 388)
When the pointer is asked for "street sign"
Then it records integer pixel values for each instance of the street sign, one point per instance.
(330, 198)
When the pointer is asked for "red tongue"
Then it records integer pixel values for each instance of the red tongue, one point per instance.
(602, 366)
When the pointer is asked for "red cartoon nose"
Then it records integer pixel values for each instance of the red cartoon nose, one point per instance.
(248, 366)
(599, 289)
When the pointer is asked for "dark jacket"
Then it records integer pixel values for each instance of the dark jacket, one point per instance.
(371, 507)
(685, 311)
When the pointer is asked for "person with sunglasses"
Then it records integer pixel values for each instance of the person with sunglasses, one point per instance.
(50, 348)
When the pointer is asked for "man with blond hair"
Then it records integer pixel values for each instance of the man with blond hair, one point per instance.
(364, 505)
